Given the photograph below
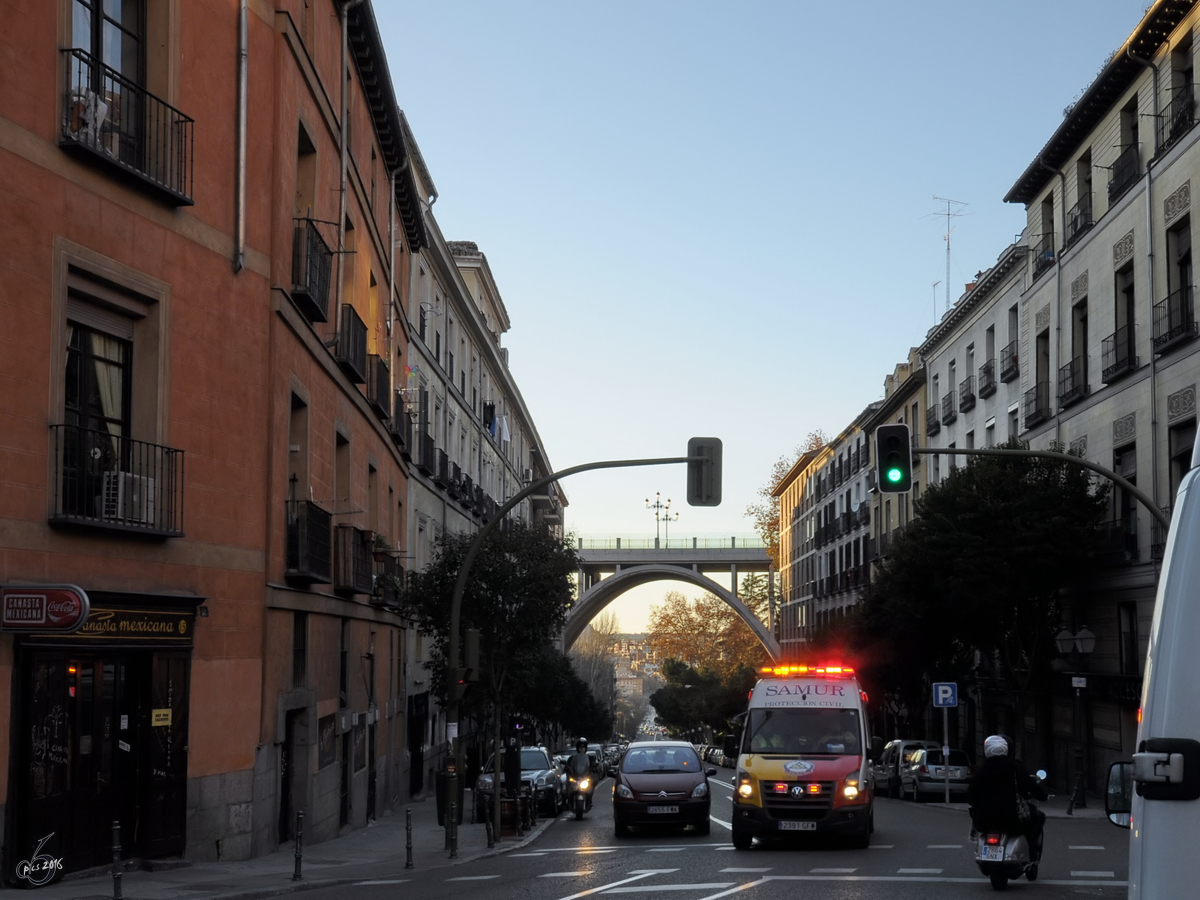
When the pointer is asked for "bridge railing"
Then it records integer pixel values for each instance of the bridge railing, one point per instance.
(733, 542)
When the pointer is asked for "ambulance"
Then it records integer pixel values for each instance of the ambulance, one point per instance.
(803, 763)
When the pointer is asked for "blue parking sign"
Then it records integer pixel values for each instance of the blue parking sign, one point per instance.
(945, 693)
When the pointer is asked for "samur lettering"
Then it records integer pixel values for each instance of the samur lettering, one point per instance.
(804, 690)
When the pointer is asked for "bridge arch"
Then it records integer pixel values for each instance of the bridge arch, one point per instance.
(606, 590)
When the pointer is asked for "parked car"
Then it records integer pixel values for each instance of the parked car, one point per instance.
(894, 760)
(661, 783)
(539, 775)
(925, 777)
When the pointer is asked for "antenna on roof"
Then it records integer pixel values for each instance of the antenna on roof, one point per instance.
(950, 214)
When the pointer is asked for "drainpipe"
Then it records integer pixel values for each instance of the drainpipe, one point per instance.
(1150, 285)
(239, 189)
(345, 161)
(1058, 299)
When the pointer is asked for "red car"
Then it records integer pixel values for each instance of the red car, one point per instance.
(661, 783)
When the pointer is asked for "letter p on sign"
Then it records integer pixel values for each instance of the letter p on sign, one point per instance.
(945, 693)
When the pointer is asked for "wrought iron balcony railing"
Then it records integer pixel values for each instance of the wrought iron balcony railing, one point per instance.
(426, 457)
(309, 543)
(1043, 254)
(1037, 404)
(1174, 320)
(379, 385)
(1079, 219)
(1120, 542)
(352, 562)
(1010, 362)
(400, 428)
(966, 394)
(932, 423)
(949, 412)
(350, 351)
(1117, 355)
(389, 581)
(1125, 171)
(987, 378)
(312, 263)
(118, 121)
(441, 473)
(102, 480)
(1072, 381)
(1177, 119)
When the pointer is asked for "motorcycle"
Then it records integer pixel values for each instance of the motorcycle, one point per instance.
(580, 787)
(1003, 857)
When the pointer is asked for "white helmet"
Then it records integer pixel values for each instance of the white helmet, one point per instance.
(995, 745)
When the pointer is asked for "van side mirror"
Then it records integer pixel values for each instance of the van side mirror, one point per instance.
(876, 750)
(1118, 794)
(731, 744)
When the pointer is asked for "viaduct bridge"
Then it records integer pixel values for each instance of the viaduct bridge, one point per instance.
(611, 566)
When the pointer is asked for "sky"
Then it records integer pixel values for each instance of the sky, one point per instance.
(719, 219)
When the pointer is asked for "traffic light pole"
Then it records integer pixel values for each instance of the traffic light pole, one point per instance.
(1142, 498)
(460, 586)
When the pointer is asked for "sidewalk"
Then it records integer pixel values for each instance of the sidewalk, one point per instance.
(356, 856)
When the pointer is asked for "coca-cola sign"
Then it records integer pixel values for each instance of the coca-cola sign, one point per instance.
(43, 608)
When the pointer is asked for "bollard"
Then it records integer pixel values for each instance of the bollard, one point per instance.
(116, 869)
(491, 835)
(408, 863)
(453, 829)
(296, 875)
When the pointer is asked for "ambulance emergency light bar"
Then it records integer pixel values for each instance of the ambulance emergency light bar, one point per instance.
(807, 670)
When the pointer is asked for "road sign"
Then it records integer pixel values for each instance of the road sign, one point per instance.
(945, 693)
(1079, 681)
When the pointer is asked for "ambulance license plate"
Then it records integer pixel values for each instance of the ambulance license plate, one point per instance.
(797, 826)
(663, 810)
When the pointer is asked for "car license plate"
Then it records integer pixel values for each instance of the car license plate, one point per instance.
(797, 826)
(993, 853)
(662, 810)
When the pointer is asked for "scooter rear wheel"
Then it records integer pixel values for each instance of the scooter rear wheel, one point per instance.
(999, 881)
(1031, 873)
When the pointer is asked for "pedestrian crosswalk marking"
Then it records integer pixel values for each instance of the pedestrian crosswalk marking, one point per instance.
(1089, 874)
(740, 869)
(473, 878)
(656, 888)
(1086, 847)
(919, 871)
(832, 871)
(565, 874)
(663, 849)
(636, 875)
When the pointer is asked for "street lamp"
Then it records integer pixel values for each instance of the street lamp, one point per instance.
(662, 513)
(1078, 646)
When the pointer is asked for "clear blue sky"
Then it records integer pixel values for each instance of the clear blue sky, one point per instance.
(715, 218)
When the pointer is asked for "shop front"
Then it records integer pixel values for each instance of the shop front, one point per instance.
(101, 719)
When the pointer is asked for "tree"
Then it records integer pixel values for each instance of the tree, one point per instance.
(764, 512)
(592, 655)
(981, 569)
(518, 596)
(699, 698)
(707, 632)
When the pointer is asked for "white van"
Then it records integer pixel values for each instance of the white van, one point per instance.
(1156, 795)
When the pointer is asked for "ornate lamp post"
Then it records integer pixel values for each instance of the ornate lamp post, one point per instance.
(662, 513)
(1078, 646)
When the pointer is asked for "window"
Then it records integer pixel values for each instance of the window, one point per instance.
(1124, 503)
(299, 649)
(989, 432)
(1179, 256)
(1125, 297)
(306, 175)
(1127, 632)
(1181, 438)
(112, 34)
(373, 498)
(1014, 426)
(341, 473)
(298, 449)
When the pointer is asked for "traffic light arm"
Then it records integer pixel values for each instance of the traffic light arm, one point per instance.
(1112, 476)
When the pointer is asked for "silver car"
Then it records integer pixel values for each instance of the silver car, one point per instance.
(539, 775)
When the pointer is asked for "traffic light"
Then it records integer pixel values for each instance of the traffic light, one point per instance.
(893, 458)
(704, 472)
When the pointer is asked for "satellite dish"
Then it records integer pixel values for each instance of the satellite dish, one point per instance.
(855, 505)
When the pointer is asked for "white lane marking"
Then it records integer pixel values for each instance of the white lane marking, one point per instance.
(473, 878)
(906, 879)
(596, 852)
(832, 871)
(739, 869)
(1086, 847)
(522, 855)
(918, 871)
(655, 888)
(565, 874)
(944, 847)
(722, 823)
(663, 849)
(730, 847)
(735, 890)
(577, 849)
(882, 847)
(1090, 874)
(384, 881)
(636, 875)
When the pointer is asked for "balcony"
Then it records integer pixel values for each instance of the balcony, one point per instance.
(379, 386)
(312, 263)
(350, 349)
(949, 412)
(426, 456)
(1117, 355)
(1072, 382)
(400, 428)
(114, 483)
(1010, 362)
(1043, 254)
(1174, 320)
(352, 563)
(1079, 219)
(110, 118)
(987, 379)
(932, 424)
(388, 581)
(1125, 171)
(916, 457)
(1037, 404)
(1177, 119)
(966, 394)
(1119, 545)
(466, 492)
(309, 543)
(441, 472)
(1158, 535)
(455, 481)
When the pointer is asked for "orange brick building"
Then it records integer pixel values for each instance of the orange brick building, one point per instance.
(196, 422)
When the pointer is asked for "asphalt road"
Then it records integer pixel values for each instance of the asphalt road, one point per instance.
(917, 851)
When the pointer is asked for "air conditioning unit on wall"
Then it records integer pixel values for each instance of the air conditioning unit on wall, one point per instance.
(128, 498)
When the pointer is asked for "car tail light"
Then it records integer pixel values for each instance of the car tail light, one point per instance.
(924, 770)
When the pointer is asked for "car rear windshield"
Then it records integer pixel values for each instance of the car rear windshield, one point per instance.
(661, 759)
(957, 758)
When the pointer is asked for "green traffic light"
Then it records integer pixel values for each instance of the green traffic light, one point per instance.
(894, 475)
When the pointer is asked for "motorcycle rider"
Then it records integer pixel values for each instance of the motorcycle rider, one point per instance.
(992, 795)
(580, 765)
